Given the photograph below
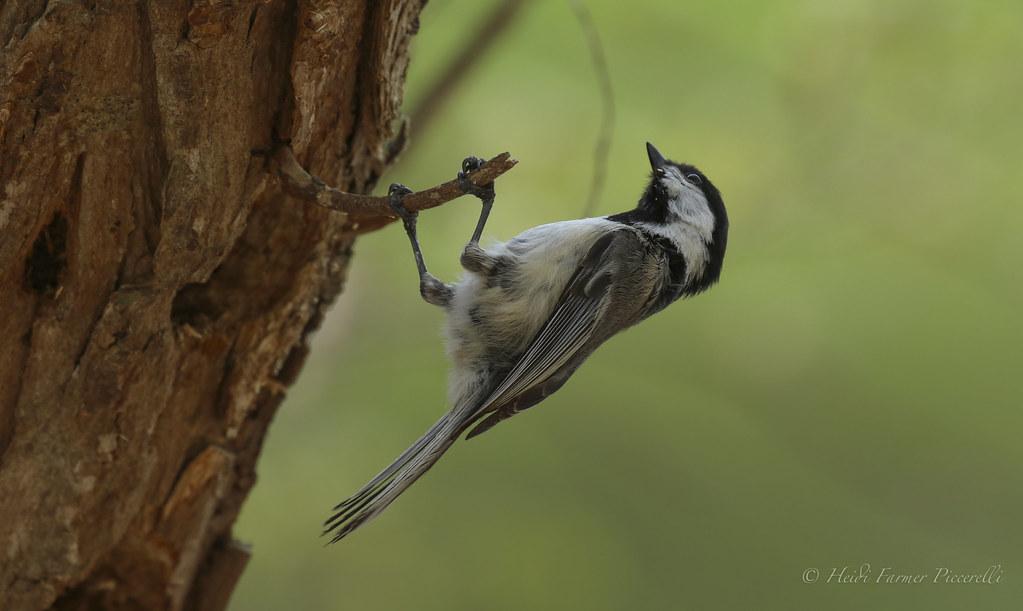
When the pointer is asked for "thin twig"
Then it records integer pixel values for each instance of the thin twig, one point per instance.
(487, 33)
(602, 149)
(366, 212)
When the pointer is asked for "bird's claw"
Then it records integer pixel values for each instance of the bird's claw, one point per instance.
(395, 194)
(469, 165)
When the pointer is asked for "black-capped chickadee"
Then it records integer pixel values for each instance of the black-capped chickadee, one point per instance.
(529, 311)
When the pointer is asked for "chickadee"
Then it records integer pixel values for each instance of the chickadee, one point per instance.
(529, 311)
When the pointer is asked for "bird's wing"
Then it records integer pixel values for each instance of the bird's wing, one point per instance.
(548, 360)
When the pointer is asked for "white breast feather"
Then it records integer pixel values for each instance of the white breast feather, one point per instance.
(546, 257)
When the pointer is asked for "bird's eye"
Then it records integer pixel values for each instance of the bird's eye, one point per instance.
(695, 179)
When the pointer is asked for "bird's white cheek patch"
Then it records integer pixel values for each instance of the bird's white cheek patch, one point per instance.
(692, 209)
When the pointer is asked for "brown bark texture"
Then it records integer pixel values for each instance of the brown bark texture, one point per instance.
(157, 286)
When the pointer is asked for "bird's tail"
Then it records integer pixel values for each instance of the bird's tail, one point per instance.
(381, 491)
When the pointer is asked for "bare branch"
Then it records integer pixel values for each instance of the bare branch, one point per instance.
(367, 212)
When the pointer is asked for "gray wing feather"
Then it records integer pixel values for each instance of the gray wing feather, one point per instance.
(568, 330)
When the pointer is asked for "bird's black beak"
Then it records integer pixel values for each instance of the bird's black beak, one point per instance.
(656, 158)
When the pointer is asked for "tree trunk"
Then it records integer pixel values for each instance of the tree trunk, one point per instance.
(157, 289)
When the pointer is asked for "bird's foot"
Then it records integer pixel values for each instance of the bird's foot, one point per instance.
(470, 165)
(395, 194)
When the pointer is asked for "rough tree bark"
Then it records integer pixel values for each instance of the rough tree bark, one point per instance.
(157, 287)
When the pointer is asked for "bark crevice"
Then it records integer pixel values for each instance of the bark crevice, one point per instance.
(48, 256)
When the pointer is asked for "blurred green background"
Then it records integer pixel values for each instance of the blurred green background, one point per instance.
(850, 393)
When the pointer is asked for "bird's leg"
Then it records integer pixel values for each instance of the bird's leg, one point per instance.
(433, 290)
(484, 193)
(474, 258)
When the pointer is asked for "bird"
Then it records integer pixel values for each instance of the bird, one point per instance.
(527, 312)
